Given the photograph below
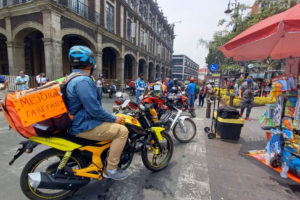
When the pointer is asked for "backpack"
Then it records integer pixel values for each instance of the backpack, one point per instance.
(41, 111)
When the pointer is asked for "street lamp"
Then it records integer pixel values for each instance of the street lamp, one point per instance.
(236, 8)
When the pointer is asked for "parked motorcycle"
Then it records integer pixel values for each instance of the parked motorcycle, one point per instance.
(183, 127)
(72, 162)
(170, 117)
(182, 103)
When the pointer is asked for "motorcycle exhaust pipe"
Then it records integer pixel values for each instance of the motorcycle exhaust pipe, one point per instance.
(45, 180)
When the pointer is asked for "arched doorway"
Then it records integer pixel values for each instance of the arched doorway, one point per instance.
(157, 72)
(68, 42)
(29, 52)
(151, 72)
(128, 68)
(109, 62)
(4, 69)
(142, 67)
(163, 73)
(34, 53)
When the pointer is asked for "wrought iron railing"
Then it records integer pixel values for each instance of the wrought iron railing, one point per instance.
(7, 3)
(76, 6)
(80, 8)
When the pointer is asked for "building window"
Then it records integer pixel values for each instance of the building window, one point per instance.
(143, 39)
(110, 19)
(1, 3)
(78, 7)
(133, 5)
(131, 30)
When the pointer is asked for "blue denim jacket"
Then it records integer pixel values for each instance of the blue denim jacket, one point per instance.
(84, 104)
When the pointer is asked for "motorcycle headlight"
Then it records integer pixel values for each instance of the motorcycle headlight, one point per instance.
(142, 107)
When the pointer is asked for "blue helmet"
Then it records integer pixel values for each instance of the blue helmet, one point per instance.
(81, 56)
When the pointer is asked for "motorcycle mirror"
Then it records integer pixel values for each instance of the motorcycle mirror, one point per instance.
(119, 94)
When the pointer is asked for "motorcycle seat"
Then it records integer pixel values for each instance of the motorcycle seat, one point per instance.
(160, 122)
(77, 140)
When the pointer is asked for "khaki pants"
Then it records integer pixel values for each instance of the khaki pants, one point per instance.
(109, 131)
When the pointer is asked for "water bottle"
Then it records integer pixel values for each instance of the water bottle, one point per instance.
(284, 170)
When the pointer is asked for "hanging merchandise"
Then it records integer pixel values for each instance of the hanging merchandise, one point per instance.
(276, 90)
(267, 119)
(273, 148)
(278, 110)
(297, 115)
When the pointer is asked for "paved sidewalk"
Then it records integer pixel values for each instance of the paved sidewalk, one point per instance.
(235, 176)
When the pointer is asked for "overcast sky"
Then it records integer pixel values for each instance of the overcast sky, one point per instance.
(199, 19)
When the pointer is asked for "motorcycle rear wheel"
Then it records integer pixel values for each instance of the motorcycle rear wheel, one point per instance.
(190, 129)
(36, 162)
(167, 152)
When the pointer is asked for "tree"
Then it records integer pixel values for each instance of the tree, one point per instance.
(240, 20)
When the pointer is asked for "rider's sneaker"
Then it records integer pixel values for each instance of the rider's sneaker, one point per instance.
(116, 174)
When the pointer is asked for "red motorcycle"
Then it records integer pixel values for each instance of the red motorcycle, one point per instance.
(160, 103)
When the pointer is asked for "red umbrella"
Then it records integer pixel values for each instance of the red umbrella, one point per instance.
(277, 36)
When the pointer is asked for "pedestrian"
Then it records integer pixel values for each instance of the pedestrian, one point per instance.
(140, 87)
(99, 85)
(38, 79)
(247, 92)
(43, 79)
(169, 83)
(3, 83)
(268, 89)
(238, 84)
(202, 94)
(22, 81)
(191, 92)
(132, 87)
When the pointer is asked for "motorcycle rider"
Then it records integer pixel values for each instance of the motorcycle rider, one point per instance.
(140, 87)
(91, 121)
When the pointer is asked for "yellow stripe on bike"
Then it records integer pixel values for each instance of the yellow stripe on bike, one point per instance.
(158, 131)
(56, 143)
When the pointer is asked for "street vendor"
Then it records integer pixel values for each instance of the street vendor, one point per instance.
(247, 92)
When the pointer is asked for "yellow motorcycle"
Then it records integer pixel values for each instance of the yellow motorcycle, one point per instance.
(71, 162)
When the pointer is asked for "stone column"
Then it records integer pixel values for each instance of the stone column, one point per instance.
(53, 58)
(98, 58)
(120, 71)
(135, 69)
(52, 44)
(16, 57)
(153, 73)
(146, 71)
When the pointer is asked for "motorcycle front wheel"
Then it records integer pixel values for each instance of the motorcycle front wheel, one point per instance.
(48, 161)
(185, 131)
(156, 160)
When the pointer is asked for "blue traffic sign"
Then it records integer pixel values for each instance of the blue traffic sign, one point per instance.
(213, 67)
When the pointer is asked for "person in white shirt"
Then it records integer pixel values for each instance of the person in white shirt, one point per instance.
(99, 85)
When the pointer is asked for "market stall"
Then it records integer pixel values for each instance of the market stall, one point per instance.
(277, 37)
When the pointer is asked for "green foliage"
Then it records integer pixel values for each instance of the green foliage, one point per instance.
(241, 19)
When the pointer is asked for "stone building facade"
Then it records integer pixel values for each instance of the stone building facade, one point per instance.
(128, 37)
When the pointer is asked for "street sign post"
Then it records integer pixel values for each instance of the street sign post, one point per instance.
(213, 67)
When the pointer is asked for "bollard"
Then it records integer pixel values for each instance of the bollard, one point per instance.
(231, 101)
(208, 109)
